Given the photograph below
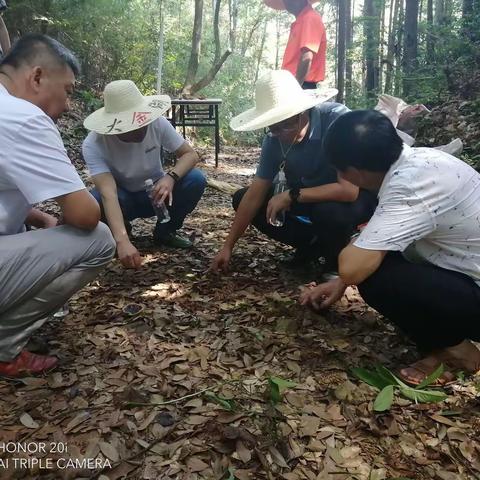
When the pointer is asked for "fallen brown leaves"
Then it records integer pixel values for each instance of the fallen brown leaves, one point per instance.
(164, 372)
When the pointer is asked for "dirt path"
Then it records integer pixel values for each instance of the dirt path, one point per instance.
(165, 333)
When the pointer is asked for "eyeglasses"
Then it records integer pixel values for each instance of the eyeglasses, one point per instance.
(289, 125)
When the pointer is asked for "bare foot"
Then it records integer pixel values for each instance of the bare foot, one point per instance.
(419, 371)
(464, 356)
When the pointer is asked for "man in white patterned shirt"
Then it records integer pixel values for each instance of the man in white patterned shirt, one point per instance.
(417, 261)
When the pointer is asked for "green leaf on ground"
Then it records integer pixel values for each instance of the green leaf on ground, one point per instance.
(277, 387)
(423, 396)
(384, 399)
(432, 377)
(222, 401)
(373, 379)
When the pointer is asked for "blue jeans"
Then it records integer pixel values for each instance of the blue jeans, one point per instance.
(186, 194)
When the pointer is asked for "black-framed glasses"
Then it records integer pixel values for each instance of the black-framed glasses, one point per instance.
(289, 125)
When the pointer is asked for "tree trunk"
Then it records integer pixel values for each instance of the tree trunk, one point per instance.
(348, 47)
(469, 30)
(381, 45)
(342, 14)
(160, 47)
(392, 30)
(277, 44)
(190, 88)
(430, 47)
(233, 16)
(371, 48)
(260, 51)
(439, 12)
(398, 49)
(195, 52)
(467, 8)
(410, 46)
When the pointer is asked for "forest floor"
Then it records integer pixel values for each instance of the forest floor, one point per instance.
(169, 372)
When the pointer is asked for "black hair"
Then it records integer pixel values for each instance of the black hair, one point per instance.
(363, 139)
(29, 47)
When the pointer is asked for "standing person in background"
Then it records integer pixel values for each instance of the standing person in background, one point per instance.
(306, 49)
(4, 36)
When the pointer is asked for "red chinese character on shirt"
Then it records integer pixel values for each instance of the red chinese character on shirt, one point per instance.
(141, 117)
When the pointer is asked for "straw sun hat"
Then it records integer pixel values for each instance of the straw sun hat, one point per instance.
(278, 96)
(279, 5)
(126, 109)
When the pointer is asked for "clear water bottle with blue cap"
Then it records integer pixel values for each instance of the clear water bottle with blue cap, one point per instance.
(161, 210)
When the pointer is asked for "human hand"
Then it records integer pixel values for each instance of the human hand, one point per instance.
(277, 204)
(163, 190)
(128, 255)
(49, 221)
(221, 260)
(324, 295)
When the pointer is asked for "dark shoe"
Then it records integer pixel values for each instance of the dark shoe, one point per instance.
(27, 364)
(37, 345)
(173, 240)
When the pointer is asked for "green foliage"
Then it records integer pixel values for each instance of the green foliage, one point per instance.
(385, 381)
(277, 387)
(226, 403)
(120, 39)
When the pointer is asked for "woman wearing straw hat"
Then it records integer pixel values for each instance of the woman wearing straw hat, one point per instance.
(123, 151)
(322, 210)
(306, 49)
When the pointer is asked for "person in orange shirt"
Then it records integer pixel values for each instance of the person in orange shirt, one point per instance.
(307, 44)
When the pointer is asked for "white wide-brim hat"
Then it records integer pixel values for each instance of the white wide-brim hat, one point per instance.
(280, 5)
(126, 109)
(279, 96)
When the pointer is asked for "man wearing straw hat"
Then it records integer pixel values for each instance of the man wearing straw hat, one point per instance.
(40, 269)
(306, 49)
(123, 150)
(322, 209)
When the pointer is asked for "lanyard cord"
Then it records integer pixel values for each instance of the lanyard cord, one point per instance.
(285, 153)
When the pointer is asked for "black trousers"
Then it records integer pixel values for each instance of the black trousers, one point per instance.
(332, 225)
(435, 307)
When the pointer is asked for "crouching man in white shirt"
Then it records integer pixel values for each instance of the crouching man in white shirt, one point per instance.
(40, 269)
(417, 261)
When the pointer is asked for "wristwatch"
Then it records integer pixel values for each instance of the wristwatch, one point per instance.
(174, 175)
(294, 194)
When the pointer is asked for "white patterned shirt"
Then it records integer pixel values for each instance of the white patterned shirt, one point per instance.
(429, 209)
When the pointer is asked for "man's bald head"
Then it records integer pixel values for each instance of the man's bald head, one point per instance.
(40, 50)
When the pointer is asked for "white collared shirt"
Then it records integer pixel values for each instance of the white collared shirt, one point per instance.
(34, 165)
(429, 209)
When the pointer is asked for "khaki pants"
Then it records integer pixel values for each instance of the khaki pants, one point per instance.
(39, 271)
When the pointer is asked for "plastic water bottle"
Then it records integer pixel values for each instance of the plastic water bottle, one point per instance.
(280, 187)
(161, 209)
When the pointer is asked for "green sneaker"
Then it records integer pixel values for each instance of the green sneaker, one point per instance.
(174, 240)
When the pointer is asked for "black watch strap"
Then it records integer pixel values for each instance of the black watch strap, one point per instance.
(294, 194)
(174, 176)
